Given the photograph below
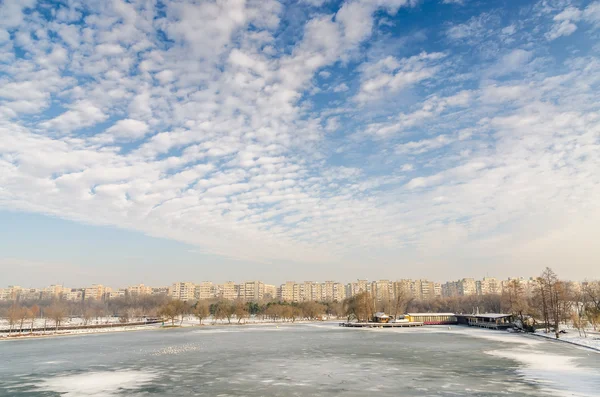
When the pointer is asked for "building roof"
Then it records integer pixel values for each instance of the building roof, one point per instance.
(381, 315)
(431, 314)
(490, 315)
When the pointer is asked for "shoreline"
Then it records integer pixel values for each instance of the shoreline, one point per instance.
(167, 327)
(149, 327)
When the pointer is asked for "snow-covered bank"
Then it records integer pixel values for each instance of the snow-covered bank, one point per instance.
(65, 332)
(117, 327)
(590, 341)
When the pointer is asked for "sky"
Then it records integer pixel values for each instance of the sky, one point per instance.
(160, 141)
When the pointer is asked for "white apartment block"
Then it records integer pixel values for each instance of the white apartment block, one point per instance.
(252, 291)
(183, 291)
(270, 292)
(230, 291)
(96, 292)
(205, 290)
(140, 289)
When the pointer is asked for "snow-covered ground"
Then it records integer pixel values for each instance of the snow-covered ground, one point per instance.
(67, 322)
(591, 339)
(188, 321)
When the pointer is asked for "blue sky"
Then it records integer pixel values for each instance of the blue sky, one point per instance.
(148, 141)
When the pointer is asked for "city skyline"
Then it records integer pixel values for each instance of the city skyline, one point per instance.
(267, 139)
(227, 289)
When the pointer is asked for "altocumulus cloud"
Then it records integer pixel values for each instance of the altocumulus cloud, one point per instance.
(277, 132)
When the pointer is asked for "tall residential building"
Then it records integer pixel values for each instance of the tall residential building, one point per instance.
(230, 291)
(205, 290)
(95, 292)
(140, 289)
(270, 292)
(332, 291)
(437, 290)
(450, 288)
(160, 290)
(286, 291)
(422, 289)
(467, 286)
(118, 293)
(488, 285)
(382, 290)
(356, 288)
(183, 291)
(53, 291)
(75, 294)
(11, 293)
(252, 291)
(298, 293)
(312, 291)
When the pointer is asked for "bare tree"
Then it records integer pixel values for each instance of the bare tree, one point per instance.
(360, 306)
(201, 310)
(34, 312)
(24, 314)
(56, 313)
(13, 315)
(169, 311)
(240, 310)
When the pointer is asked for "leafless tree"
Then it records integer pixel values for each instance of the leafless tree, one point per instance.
(240, 310)
(56, 313)
(201, 310)
(34, 312)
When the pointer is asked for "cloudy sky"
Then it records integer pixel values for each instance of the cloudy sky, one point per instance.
(154, 141)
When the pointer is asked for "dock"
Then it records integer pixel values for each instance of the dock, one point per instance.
(382, 325)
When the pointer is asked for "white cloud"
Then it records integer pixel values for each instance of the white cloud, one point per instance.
(213, 139)
(476, 27)
(81, 114)
(565, 22)
(513, 61)
(125, 130)
(340, 88)
(424, 145)
(390, 75)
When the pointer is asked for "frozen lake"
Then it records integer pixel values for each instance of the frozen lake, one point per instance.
(297, 360)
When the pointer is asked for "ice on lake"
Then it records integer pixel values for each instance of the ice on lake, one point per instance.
(316, 360)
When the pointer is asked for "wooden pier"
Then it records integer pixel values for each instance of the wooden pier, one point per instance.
(381, 325)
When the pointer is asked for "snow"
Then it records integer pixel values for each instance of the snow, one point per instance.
(557, 374)
(98, 384)
(592, 340)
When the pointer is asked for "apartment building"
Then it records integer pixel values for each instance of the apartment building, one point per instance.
(286, 291)
(74, 294)
(140, 289)
(119, 293)
(332, 292)
(467, 286)
(488, 285)
(183, 291)
(160, 290)
(382, 290)
(205, 290)
(96, 292)
(11, 293)
(230, 291)
(252, 291)
(54, 291)
(270, 292)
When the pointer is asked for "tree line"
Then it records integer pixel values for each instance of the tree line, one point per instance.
(550, 303)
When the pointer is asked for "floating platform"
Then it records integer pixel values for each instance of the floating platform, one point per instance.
(382, 325)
